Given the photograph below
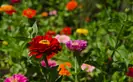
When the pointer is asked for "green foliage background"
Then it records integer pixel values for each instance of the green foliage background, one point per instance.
(110, 37)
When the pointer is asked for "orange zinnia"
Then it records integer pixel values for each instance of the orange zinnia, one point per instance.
(29, 13)
(71, 5)
(6, 7)
(63, 70)
(44, 14)
(1, 9)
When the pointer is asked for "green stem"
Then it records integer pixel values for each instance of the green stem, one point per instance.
(116, 45)
(46, 61)
(76, 78)
(47, 66)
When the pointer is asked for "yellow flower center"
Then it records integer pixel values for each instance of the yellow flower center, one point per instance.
(44, 42)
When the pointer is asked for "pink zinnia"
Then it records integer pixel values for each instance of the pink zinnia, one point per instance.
(53, 12)
(16, 78)
(87, 68)
(51, 63)
(62, 38)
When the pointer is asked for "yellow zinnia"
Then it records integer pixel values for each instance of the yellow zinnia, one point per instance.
(82, 31)
(4, 42)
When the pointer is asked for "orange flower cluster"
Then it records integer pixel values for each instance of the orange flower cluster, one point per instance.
(63, 69)
(7, 9)
(71, 5)
(29, 13)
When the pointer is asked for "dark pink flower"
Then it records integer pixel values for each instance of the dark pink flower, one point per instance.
(15, 1)
(16, 78)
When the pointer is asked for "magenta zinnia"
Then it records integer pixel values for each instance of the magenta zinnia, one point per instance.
(76, 45)
(16, 78)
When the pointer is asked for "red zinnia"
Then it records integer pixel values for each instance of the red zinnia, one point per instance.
(71, 5)
(44, 45)
(30, 13)
(66, 31)
(130, 72)
(10, 12)
(51, 33)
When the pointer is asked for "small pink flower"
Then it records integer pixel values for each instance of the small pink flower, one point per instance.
(16, 78)
(51, 63)
(62, 38)
(53, 12)
(87, 68)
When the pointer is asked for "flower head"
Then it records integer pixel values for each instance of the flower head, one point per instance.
(76, 45)
(53, 12)
(71, 5)
(7, 7)
(50, 32)
(4, 42)
(10, 12)
(29, 13)
(15, 1)
(63, 69)
(130, 72)
(1, 9)
(51, 63)
(44, 45)
(82, 31)
(62, 38)
(66, 31)
(87, 68)
(16, 78)
(44, 14)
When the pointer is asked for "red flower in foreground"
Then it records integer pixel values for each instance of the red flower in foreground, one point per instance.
(130, 72)
(66, 31)
(29, 13)
(71, 5)
(50, 32)
(10, 12)
(41, 45)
